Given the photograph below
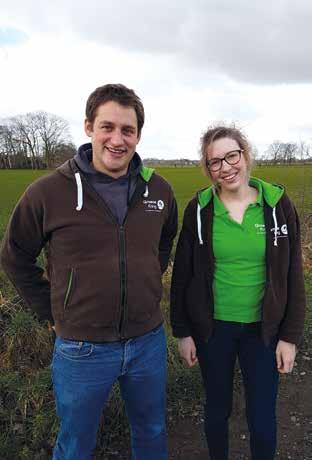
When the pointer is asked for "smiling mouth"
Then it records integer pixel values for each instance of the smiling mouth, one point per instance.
(229, 177)
(116, 151)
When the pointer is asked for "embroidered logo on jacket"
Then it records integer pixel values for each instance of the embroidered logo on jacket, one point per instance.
(284, 229)
(154, 205)
(282, 232)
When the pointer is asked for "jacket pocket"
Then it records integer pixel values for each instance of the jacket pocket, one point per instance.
(198, 303)
(70, 287)
(61, 290)
(72, 349)
(144, 290)
(86, 295)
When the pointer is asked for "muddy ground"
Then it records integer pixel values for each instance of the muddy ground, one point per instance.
(294, 413)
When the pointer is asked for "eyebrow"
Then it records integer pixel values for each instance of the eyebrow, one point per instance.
(110, 123)
(224, 155)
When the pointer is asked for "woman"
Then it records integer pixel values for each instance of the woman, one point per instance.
(238, 290)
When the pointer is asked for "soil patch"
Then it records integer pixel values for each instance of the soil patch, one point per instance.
(294, 415)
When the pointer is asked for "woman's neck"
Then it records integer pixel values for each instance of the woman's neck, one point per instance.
(244, 193)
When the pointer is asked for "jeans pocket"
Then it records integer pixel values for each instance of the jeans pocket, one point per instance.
(73, 349)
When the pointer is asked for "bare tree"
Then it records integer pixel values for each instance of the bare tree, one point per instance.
(63, 152)
(305, 151)
(53, 131)
(27, 136)
(33, 140)
(289, 152)
(282, 152)
(274, 152)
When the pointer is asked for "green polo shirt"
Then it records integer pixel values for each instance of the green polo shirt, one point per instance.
(239, 251)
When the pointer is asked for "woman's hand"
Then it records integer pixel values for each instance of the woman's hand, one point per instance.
(285, 356)
(187, 350)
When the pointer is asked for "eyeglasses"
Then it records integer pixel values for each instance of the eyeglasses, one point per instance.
(231, 158)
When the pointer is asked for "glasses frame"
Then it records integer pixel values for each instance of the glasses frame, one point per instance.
(240, 151)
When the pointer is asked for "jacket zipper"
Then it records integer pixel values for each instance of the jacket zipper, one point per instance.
(122, 256)
(123, 279)
(123, 273)
(267, 223)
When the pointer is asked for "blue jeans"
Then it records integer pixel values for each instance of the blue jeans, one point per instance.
(260, 376)
(83, 374)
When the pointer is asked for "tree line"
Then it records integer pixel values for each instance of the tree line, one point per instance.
(36, 140)
(39, 140)
(286, 153)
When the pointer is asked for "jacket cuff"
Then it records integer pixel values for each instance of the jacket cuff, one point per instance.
(290, 338)
(181, 331)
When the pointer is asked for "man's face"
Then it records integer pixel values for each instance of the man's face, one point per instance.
(114, 137)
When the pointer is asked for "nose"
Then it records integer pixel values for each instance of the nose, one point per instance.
(116, 137)
(225, 166)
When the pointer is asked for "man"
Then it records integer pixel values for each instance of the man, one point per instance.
(109, 224)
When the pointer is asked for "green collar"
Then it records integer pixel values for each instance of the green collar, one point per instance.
(257, 185)
(146, 173)
(219, 207)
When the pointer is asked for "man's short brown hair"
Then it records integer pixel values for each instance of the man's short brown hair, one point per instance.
(118, 93)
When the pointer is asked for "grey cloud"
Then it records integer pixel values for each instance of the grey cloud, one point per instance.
(251, 41)
(256, 41)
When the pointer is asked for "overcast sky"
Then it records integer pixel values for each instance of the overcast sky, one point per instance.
(192, 63)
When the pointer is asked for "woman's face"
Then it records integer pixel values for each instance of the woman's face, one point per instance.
(229, 177)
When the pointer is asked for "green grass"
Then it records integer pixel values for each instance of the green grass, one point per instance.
(28, 421)
(296, 179)
(185, 183)
(12, 185)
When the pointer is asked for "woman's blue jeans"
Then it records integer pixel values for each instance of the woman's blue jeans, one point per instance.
(260, 376)
(83, 375)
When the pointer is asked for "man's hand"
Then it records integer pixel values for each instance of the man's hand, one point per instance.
(187, 350)
(285, 356)
(51, 327)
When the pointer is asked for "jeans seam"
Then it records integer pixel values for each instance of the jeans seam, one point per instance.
(74, 358)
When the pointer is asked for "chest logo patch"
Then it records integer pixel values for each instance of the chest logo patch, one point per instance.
(284, 229)
(260, 229)
(160, 205)
(153, 205)
(281, 232)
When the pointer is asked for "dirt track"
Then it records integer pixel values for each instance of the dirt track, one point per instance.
(294, 414)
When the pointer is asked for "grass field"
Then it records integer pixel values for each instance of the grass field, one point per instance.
(296, 179)
(185, 183)
(28, 422)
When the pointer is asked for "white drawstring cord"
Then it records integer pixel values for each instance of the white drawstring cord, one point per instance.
(79, 192)
(199, 225)
(145, 194)
(275, 226)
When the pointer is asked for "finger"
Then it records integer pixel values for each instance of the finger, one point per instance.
(288, 366)
(193, 354)
(193, 362)
(188, 361)
(279, 362)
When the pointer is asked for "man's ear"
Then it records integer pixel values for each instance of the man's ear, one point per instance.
(88, 127)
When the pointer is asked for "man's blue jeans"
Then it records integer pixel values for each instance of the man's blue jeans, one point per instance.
(83, 375)
(217, 359)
